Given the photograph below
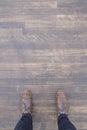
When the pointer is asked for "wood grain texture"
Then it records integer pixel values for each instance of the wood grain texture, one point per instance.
(43, 47)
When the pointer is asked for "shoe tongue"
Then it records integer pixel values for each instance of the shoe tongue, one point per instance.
(63, 107)
(26, 107)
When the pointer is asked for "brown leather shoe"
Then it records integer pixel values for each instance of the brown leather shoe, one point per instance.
(62, 103)
(26, 102)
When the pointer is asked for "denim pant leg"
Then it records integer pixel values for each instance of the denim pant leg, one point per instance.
(25, 123)
(64, 123)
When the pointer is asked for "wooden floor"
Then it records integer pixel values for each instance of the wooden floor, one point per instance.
(43, 47)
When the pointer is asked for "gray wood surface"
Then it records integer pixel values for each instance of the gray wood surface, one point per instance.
(43, 47)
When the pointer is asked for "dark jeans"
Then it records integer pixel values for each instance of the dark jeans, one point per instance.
(64, 123)
(25, 123)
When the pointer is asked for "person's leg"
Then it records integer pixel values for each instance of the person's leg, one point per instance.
(64, 123)
(25, 123)
(63, 108)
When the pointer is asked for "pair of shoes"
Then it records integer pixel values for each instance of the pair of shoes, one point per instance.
(62, 102)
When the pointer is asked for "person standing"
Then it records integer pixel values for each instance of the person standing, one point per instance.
(26, 121)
